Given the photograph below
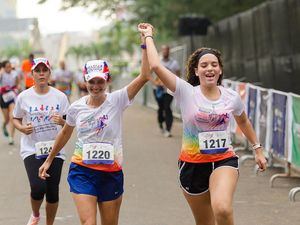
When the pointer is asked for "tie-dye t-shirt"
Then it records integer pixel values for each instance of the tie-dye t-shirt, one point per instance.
(38, 110)
(201, 115)
(96, 125)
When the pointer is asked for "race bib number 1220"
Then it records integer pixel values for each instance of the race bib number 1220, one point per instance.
(98, 153)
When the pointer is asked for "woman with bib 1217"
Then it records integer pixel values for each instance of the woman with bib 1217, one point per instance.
(208, 165)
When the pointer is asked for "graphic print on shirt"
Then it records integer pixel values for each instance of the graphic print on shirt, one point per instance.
(91, 123)
(207, 131)
(212, 119)
(41, 117)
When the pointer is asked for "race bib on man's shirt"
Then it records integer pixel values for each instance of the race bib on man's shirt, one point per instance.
(213, 142)
(98, 153)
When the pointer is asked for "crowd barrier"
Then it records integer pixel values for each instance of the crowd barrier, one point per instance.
(275, 116)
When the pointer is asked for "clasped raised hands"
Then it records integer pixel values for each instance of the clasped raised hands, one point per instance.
(146, 29)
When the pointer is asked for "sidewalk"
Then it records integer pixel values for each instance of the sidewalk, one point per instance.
(152, 194)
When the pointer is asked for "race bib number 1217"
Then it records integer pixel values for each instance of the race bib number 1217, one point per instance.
(213, 142)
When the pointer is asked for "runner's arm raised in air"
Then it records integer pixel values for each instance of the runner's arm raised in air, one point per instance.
(166, 76)
(136, 85)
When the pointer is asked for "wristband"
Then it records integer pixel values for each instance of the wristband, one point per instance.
(143, 46)
(256, 146)
(148, 36)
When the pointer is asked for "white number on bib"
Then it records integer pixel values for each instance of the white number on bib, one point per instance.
(213, 142)
(43, 148)
(8, 96)
(98, 153)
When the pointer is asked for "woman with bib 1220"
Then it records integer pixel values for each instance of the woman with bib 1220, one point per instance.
(95, 174)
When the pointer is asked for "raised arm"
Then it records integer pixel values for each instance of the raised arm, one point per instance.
(166, 76)
(60, 141)
(136, 85)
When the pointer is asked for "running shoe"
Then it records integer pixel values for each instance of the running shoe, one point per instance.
(167, 134)
(4, 130)
(10, 140)
(161, 127)
(33, 220)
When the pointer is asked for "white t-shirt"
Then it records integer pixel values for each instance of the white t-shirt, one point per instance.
(63, 80)
(102, 124)
(200, 114)
(60, 75)
(37, 109)
(171, 64)
(9, 79)
(79, 77)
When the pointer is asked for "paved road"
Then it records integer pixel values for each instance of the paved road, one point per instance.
(152, 195)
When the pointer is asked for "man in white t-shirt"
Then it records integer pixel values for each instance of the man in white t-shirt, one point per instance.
(163, 96)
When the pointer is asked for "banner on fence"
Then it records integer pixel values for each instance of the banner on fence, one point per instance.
(279, 101)
(264, 119)
(242, 90)
(294, 129)
(252, 104)
(232, 85)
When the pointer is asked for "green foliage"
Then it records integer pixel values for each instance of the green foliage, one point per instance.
(117, 38)
(135, 73)
(96, 6)
(118, 66)
(113, 41)
(20, 50)
(164, 14)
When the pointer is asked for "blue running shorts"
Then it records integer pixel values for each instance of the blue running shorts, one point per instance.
(106, 186)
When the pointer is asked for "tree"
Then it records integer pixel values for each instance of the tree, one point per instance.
(79, 51)
(20, 50)
(164, 14)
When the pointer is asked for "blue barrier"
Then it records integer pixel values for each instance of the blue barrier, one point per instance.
(279, 115)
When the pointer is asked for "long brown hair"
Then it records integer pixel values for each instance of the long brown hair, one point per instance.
(193, 63)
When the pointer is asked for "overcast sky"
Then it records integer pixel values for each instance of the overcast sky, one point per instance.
(52, 20)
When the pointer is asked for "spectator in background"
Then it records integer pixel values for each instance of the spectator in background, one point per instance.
(15, 64)
(63, 79)
(8, 92)
(26, 70)
(81, 85)
(163, 96)
(1, 69)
